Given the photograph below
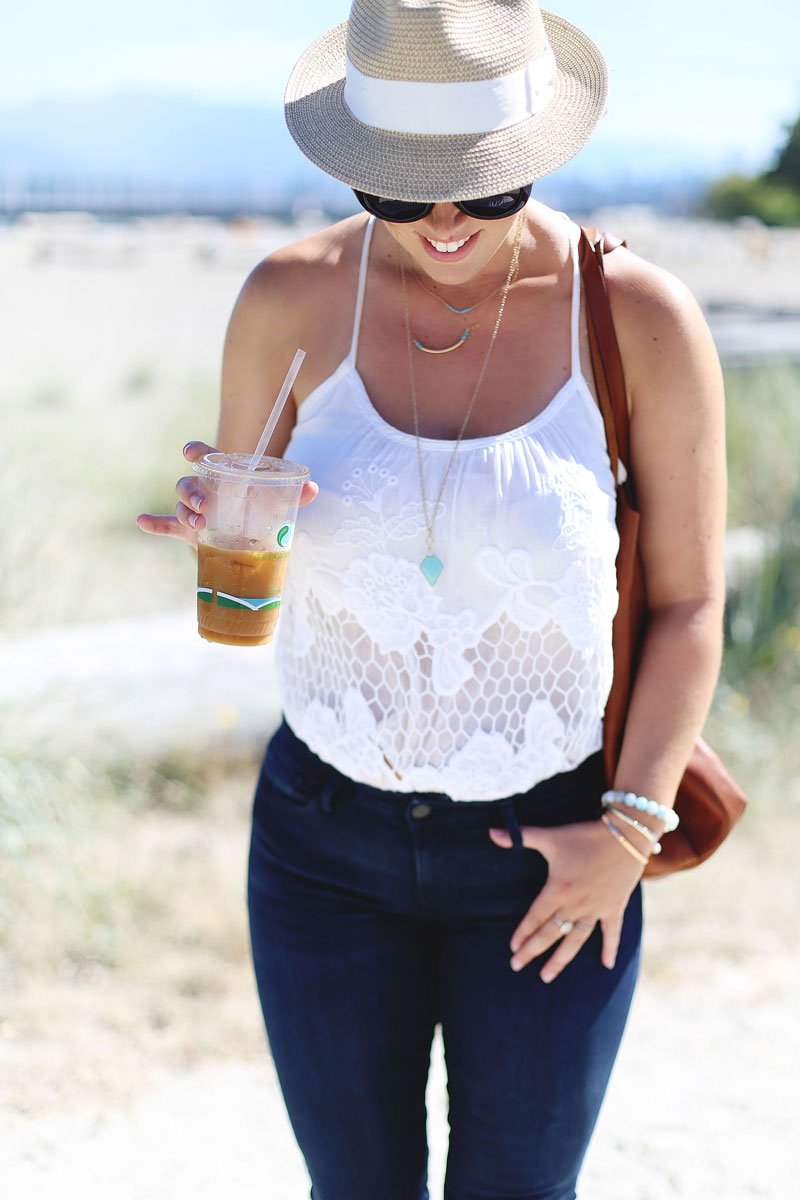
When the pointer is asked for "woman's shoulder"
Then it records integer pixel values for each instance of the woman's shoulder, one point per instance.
(656, 317)
(304, 276)
(641, 290)
(301, 295)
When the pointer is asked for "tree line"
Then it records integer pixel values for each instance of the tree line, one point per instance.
(773, 197)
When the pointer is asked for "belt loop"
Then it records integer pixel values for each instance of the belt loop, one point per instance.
(512, 824)
(327, 795)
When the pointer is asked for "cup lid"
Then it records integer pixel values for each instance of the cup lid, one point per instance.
(237, 466)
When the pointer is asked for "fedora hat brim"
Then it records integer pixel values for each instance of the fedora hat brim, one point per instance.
(409, 166)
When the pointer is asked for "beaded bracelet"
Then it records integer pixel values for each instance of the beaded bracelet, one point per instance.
(644, 830)
(623, 841)
(631, 800)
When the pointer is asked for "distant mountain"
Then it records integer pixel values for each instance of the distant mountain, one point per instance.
(184, 143)
(173, 138)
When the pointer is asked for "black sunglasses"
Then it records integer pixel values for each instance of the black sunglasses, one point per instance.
(487, 208)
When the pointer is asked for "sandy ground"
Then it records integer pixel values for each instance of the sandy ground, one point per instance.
(704, 1098)
(137, 685)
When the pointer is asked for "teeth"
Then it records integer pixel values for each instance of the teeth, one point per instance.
(447, 247)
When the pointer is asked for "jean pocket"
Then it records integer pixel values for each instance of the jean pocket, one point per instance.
(279, 775)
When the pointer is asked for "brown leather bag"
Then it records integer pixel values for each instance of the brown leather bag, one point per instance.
(708, 802)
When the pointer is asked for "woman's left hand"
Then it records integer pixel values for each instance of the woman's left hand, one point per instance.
(590, 878)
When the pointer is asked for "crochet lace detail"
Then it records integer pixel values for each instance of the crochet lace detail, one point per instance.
(479, 688)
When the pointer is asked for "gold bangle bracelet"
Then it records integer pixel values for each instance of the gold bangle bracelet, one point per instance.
(623, 841)
(644, 830)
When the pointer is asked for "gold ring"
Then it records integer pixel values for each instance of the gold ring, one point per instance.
(565, 926)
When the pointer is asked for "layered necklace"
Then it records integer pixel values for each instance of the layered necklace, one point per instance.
(432, 565)
(452, 308)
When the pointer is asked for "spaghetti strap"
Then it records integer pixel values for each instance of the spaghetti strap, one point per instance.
(362, 281)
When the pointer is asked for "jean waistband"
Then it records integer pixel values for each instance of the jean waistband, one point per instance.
(571, 795)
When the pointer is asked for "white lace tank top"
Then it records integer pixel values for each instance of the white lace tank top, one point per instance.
(496, 677)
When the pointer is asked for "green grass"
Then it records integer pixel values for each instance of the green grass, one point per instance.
(753, 721)
(763, 442)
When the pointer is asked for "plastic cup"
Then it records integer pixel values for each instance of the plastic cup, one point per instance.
(243, 551)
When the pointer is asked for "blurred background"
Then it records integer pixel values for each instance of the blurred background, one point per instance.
(144, 170)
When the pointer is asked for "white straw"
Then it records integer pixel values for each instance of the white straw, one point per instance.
(277, 409)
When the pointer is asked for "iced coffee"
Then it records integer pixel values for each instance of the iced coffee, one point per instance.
(243, 551)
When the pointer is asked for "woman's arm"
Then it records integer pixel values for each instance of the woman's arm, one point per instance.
(273, 315)
(677, 449)
(678, 456)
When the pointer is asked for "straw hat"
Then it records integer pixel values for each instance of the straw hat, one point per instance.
(446, 99)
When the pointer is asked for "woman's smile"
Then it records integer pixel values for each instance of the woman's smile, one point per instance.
(452, 250)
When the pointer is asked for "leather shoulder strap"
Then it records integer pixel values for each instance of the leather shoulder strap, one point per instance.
(606, 360)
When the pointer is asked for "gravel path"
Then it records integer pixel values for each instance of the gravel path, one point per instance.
(146, 685)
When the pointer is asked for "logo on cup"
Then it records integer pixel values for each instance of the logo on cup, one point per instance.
(284, 535)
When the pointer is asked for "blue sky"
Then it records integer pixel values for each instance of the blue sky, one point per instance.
(718, 76)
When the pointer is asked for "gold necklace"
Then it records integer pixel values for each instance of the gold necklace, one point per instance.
(458, 311)
(444, 349)
(431, 565)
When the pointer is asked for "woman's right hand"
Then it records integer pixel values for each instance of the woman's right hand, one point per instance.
(188, 517)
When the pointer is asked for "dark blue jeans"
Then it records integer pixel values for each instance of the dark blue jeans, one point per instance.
(374, 915)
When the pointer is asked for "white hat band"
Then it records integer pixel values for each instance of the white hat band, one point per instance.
(469, 106)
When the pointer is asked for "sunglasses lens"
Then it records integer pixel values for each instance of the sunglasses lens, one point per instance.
(393, 210)
(490, 208)
(487, 208)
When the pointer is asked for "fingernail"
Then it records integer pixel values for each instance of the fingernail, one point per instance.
(547, 976)
(515, 945)
(609, 966)
(197, 499)
(516, 965)
(186, 447)
(193, 519)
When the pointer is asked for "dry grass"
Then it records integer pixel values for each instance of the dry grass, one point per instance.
(123, 940)
(123, 937)
(72, 482)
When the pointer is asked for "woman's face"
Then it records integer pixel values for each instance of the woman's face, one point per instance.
(451, 247)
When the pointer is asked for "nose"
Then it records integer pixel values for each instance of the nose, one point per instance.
(446, 221)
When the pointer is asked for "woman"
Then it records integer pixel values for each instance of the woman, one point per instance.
(426, 843)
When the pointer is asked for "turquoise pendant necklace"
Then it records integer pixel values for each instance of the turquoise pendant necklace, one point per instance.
(432, 565)
(460, 312)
